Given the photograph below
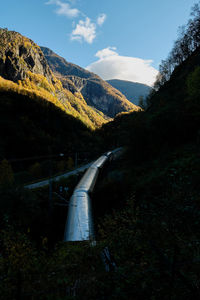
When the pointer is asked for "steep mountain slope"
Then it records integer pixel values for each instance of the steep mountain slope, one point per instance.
(172, 115)
(96, 92)
(23, 68)
(33, 126)
(19, 55)
(132, 90)
(160, 187)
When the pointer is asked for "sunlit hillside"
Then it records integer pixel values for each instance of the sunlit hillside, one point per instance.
(24, 70)
(97, 92)
(72, 105)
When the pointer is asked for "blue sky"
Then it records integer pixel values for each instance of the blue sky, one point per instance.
(123, 39)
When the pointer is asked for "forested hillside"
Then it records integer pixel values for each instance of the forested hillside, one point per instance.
(35, 127)
(155, 236)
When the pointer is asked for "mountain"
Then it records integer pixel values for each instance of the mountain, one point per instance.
(146, 204)
(132, 90)
(172, 116)
(160, 188)
(33, 126)
(24, 69)
(96, 92)
(37, 115)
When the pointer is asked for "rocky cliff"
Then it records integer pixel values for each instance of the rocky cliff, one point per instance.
(25, 70)
(18, 55)
(94, 90)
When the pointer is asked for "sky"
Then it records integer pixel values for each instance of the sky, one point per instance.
(116, 39)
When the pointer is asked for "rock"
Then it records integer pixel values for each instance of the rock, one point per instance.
(18, 55)
(95, 91)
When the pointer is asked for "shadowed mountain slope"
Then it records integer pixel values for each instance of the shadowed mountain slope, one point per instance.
(132, 90)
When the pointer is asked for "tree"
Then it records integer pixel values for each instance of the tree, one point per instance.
(193, 84)
(70, 163)
(61, 165)
(141, 102)
(35, 170)
(6, 173)
(187, 42)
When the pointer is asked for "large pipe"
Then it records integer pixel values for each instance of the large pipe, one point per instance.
(79, 225)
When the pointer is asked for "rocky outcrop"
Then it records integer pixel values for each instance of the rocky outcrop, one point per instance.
(73, 89)
(25, 70)
(78, 82)
(18, 55)
(98, 94)
(94, 90)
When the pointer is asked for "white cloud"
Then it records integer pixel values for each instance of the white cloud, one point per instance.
(110, 51)
(111, 65)
(85, 30)
(64, 9)
(101, 19)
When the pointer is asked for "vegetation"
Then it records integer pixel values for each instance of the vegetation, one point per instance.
(34, 128)
(153, 232)
(88, 85)
(25, 71)
(146, 205)
(6, 174)
(187, 42)
(46, 92)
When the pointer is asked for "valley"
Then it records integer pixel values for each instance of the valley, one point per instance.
(56, 118)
